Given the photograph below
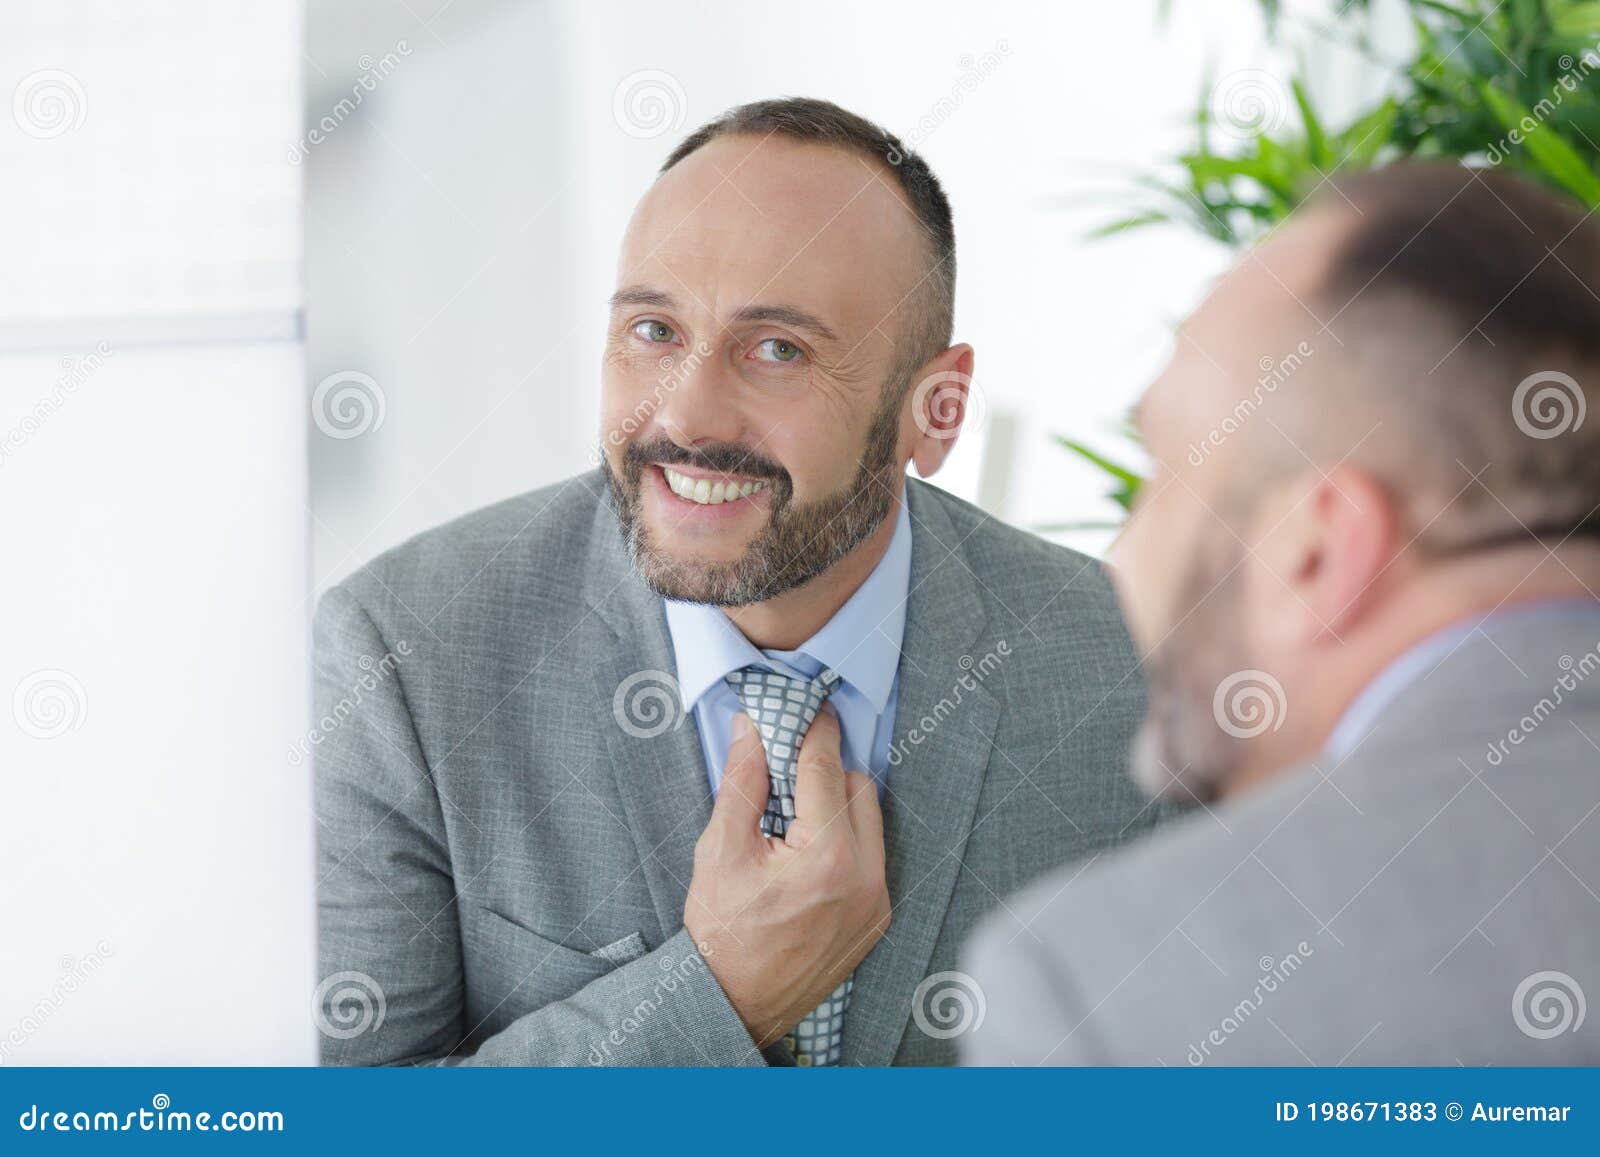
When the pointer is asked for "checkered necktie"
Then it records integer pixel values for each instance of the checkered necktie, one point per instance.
(782, 709)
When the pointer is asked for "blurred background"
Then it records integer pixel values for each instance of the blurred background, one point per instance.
(286, 285)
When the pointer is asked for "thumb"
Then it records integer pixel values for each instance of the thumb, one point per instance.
(742, 796)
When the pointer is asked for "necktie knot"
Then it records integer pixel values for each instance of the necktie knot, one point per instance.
(782, 708)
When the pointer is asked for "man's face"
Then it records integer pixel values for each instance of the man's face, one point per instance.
(1198, 599)
(750, 426)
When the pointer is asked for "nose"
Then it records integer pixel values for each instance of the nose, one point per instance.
(700, 405)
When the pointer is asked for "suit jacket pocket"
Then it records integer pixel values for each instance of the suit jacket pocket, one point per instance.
(513, 970)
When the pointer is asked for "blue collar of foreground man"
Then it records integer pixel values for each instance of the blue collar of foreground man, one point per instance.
(1419, 661)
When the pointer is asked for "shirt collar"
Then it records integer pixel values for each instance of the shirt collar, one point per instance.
(1413, 664)
(861, 643)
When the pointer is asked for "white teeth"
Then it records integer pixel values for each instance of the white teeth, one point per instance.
(706, 492)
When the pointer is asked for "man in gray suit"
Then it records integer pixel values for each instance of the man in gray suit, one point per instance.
(528, 713)
(1375, 670)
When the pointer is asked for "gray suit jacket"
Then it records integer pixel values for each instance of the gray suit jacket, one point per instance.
(1432, 899)
(505, 861)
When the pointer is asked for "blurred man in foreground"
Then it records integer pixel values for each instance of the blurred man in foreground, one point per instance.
(1362, 574)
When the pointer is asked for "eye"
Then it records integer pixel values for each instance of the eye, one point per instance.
(658, 332)
(777, 349)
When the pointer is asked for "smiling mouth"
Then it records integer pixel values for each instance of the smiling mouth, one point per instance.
(710, 492)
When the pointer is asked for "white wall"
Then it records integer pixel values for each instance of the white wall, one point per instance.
(157, 863)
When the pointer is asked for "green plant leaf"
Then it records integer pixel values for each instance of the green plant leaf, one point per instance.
(1135, 221)
(1127, 482)
(1316, 140)
(1557, 159)
(1581, 20)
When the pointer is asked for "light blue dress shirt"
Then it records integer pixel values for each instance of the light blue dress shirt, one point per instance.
(861, 644)
(1418, 663)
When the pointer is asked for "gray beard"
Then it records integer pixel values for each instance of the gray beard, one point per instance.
(798, 543)
(1180, 754)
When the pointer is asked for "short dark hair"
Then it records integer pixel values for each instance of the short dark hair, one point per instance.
(806, 119)
(1467, 292)
(1496, 253)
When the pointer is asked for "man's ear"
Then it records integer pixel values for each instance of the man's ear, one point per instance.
(939, 402)
(1331, 549)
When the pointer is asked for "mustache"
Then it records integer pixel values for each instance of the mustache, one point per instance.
(718, 457)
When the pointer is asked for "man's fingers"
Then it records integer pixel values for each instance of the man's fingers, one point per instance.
(742, 797)
(866, 815)
(819, 797)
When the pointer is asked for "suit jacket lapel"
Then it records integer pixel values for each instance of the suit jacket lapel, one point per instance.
(941, 744)
(652, 744)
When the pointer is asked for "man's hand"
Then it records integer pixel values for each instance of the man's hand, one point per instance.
(784, 921)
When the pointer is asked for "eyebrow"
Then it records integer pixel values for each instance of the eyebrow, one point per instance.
(641, 295)
(778, 314)
(786, 315)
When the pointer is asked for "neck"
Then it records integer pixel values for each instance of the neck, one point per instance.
(1464, 591)
(784, 622)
